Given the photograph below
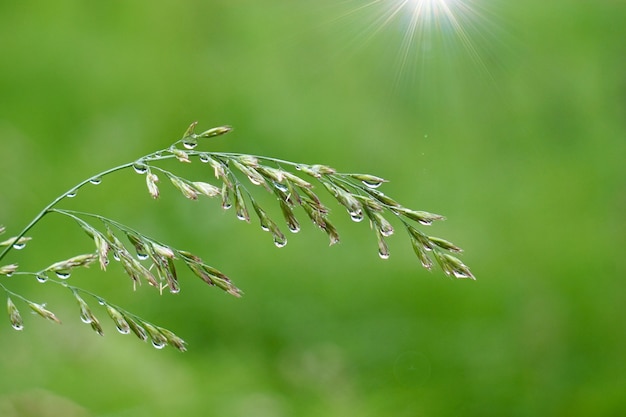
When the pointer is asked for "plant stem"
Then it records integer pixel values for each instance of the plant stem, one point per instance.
(48, 208)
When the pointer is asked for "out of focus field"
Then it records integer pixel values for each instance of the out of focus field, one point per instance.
(519, 140)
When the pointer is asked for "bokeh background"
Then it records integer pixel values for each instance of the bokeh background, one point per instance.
(514, 129)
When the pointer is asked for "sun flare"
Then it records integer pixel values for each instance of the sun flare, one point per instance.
(426, 28)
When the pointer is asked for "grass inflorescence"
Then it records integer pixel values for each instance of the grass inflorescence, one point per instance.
(299, 189)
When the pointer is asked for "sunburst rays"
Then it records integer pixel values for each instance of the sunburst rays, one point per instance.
(452, 29)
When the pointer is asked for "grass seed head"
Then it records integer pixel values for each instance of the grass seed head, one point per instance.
(186, 189)
(8, 270)
(216, 131)
(151, 182)
(43, 312)
(14, 315)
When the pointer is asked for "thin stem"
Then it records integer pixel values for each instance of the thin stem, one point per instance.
(14, 294)
(54, 202)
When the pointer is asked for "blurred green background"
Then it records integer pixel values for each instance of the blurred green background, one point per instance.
(519, 139)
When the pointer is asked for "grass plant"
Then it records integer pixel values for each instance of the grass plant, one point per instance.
(296, 188)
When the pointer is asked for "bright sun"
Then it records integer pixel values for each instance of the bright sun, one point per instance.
(422, 22)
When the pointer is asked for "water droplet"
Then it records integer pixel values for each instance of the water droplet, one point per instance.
(85, 318)
(8, 274)
(175, 290)
(123, 330)
(460, 274)
(281, 187)
(101, 302)
(386, 231)
(142, 256)
(204, 157)
(298, 167)
(383, 254)
(17, 326)
(41, 277)
(158, 344)
(71, 194)
(280, 241)
(426, 263)
(425, 222)
(294, 228)
(265, 227)
(140, 168)
(226, 202)
(95, 180)
(372, 184)
(190, 143)
(19, 246)
(158, 154)
(116, 256)
(357, 215)
(63, 274)
(241, 216)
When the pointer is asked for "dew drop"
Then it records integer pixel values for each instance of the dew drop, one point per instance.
(123, 330)
(41, 278)
(372, 184)
(298, 167)
(158, 154)
(19, 246)
(140, 168)
(425, 222)
(95, 180)
(427, 264)
(85, 318)
(226, 202)
(190, 144)
(204, 158)
(116, 256)
(460, 274)
(386, 231)
(174, 290)
(265, 227)
(383, 254)
(71, 194)
(281, 187)
(158, 344)
(241, 216)
(63, 274)
(8, 274)
(356, 216)
(142, 256)
(294, 228)
(17, 326)
(280, 242)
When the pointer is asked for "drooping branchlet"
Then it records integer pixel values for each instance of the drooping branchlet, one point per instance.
(297, 188)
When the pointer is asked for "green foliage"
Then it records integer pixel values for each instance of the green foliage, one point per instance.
(146, 260)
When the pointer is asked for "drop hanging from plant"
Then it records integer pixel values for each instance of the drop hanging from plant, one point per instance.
(296, 188)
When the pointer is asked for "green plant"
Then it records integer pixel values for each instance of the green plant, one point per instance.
(156, 262)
